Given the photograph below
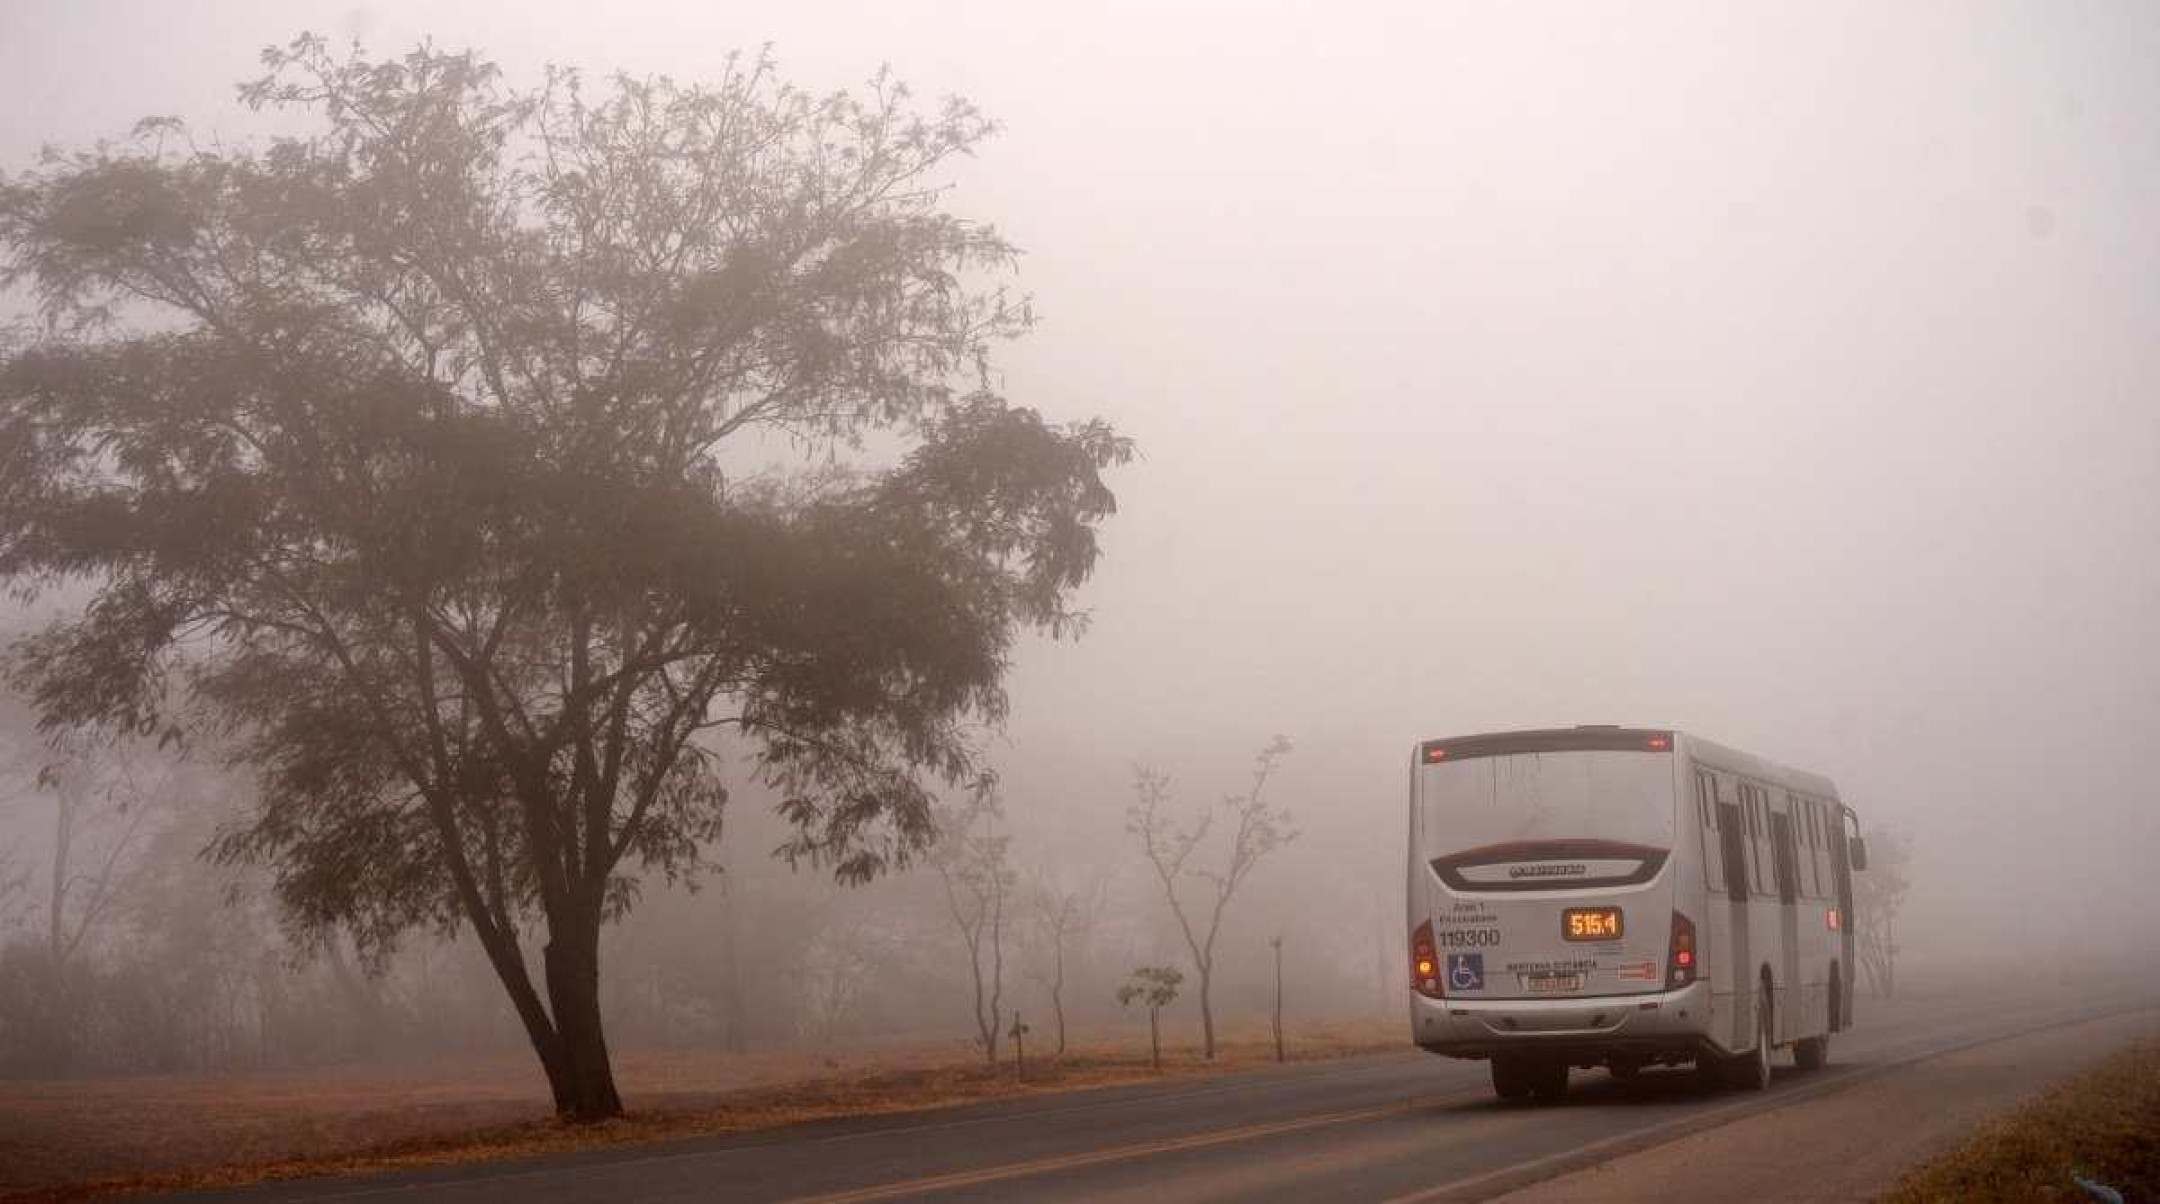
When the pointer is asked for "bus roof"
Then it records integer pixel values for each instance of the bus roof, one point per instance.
(1613, 738)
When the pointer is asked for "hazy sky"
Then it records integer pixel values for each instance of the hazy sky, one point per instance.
(1781, 372)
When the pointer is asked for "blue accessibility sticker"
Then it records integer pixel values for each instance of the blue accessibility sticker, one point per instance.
(1466, 971)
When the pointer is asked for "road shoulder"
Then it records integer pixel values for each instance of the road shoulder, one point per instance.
(1854, 1143)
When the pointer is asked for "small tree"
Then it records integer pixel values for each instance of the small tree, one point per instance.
(1260, 828)
(970, 860)
(1018, 1033)
(1878, 894)
(1060, 916)
(1156, 987)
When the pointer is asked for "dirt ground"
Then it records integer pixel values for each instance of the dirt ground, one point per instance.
(72, 1138)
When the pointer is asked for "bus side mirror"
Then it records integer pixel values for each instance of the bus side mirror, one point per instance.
(1859, 853)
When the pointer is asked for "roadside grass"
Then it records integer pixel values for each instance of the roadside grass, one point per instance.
(77, 1140)
(2103, 1124)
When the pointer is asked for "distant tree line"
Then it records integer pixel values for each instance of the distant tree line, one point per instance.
(176, 964)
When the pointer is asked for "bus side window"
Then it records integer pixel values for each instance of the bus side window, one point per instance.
(1756, 874)
(1713, 853)
(1731, 831)
(1814, 851)
(1803, 864)
(1821, 855)
(1782, 850)
(1769, 853)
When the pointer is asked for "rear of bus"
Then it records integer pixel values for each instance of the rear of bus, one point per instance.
(1547, 929)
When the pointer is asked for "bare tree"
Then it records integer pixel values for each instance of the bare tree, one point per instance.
(1260, 829)
(1061, 916)
(99, 805)
(970, 858)
(1157, 987)
(1878, 895)
(834, 979)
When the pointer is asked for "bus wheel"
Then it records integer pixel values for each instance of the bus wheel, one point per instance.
(1810, 1053)
(1511, 1077)
(1548, 1081)
(1751, 1071)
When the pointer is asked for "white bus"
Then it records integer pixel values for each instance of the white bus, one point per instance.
(1625, 897)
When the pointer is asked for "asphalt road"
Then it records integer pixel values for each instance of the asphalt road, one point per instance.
(1387, 1127)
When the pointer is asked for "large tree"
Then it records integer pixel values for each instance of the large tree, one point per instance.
(432, 458)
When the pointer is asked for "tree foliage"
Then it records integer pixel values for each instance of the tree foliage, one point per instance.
(1155, 988)
(427, 459)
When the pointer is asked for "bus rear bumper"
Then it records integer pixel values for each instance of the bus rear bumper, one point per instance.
(1665, 1026)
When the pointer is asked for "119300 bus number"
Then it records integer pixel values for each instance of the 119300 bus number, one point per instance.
(1462, 938)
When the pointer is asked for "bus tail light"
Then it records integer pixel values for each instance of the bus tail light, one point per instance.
(1682, 968)
(1424, 963)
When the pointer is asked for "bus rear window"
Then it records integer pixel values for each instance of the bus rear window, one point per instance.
(1576, 795)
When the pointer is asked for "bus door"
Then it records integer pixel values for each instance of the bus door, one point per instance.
(1791, 994)
(1739, 980)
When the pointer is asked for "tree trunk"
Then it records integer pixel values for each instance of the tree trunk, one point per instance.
(1057, 1001)
(986, 1022)
(1278, 1000)
(732, 1037)
(997, 960)
(583, 1079)
(1154, 1033)
(1207, 1015)
(60, 1014)
(364, 998)
(1889, 957)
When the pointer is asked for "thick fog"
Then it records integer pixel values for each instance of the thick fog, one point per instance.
(1783, 374)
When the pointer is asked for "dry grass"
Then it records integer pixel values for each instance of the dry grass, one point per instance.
(2104, 1125)
(81, 1139)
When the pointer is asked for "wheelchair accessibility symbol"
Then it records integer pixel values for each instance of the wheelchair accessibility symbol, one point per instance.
(1466, 971)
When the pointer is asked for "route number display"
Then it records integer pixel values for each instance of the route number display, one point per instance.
(1591, 924)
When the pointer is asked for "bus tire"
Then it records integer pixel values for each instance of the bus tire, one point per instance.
(1811, 1053)
(1511, 1078)
(1751, 1070)
(1548, 1081)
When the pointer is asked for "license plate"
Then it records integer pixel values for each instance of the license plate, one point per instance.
(1551, 984)
(1590, 924)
